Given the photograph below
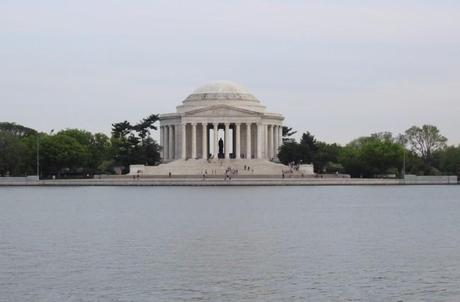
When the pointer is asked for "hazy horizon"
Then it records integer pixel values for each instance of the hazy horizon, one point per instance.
(339, 70)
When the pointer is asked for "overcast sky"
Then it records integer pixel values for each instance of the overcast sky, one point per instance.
(339, 69)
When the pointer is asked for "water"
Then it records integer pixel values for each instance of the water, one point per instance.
(230, 244)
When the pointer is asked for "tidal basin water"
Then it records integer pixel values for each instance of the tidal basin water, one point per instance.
(230, 244)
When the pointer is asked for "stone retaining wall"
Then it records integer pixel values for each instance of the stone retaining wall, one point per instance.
(221, 182)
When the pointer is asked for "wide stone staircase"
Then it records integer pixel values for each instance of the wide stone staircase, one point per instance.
(214, 167)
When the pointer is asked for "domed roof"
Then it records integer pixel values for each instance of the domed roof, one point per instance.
(221, 92)
(221, 87)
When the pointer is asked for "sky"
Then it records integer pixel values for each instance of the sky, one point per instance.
(339, 69)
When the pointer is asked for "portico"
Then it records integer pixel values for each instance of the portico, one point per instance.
(200, 140)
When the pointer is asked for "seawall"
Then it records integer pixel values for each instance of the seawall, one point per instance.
(222, 182)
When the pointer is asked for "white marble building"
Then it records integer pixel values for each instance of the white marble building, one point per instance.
(219, 111)
(247, 130)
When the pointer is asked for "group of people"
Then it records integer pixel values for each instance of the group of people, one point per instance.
(205, 173)
(213, 172)
(293, 166)
(247, 168)
(229, 172)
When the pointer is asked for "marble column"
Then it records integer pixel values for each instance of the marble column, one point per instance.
(171, 142)
(193, 140)
(237, 141)
(184, 141)
(177, 142)
(278, 141)
(248, 141)
(280, 135)
(162, 141)
(259, 141)
(227, 140)
(205, 140)
(216, 140)
(265, 135)
(270, 142)
(166, 143)
(275, 142)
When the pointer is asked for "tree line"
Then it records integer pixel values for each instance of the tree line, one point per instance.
(80, 153)
(76, 152)
(419, 150)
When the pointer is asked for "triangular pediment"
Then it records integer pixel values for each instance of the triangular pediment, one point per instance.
(222, 110)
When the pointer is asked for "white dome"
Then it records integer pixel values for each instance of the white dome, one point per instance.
(221, 92)
(221, 87)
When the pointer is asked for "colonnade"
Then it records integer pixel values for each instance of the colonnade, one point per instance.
(193, 140)
(168, 135)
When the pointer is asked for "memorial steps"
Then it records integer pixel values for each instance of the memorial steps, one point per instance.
(213, 167)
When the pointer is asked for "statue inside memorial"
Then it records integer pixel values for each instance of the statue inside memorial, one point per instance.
(221, 148)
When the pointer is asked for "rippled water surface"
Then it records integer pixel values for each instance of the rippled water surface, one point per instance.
(230, 244)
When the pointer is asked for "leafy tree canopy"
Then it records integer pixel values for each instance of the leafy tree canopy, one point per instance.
(288, 132)
(16, 130)
(425, 141)
(372, 156)
(448, 160)
(132, 144)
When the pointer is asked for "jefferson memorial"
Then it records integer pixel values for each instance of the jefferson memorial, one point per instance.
(219, 125)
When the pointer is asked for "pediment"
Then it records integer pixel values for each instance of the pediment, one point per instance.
(222, 110)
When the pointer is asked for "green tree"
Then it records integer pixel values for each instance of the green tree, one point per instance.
(29, 156)
(62, 154)
(133, 144)
(449, 160)
(97, 149)
(350, 159)
(290, 152)
(14, 154)
(302, 152)
(145, 125)
(83, 137)
(372, 156)
(326, 158)
(287, 132)
(308, 146)
(121, 130)
(10, 154)
(425, 141)
(101, 156)
(16, 130)
(309, 150)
